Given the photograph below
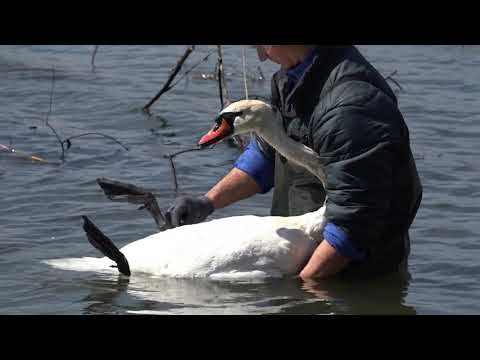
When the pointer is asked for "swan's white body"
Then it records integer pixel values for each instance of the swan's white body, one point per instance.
(237, 247)
(234, 247)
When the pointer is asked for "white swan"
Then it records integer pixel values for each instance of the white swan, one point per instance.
(233, 247)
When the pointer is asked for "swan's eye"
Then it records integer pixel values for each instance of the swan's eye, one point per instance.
(230, 116)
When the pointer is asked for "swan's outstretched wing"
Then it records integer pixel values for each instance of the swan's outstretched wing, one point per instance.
(120, 191)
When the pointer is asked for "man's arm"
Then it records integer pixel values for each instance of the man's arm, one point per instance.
(235, 186)
(325, 262)
(252, 174)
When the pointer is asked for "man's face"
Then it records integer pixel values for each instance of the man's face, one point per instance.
(262, 51)
(276, 53)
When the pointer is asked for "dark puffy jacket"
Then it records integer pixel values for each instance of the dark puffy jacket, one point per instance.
(344, 110)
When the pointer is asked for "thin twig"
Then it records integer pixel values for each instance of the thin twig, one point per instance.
(219, 76)
(174, 173)
(390, 77)
(185, 151)
(262, 77)
(221, 81)
(93, 56)
(62, 157)
(68, 142)
(191, 69)
(172, 164)
(222, 85)
(170, 158)
(244, 63)
(174, 73)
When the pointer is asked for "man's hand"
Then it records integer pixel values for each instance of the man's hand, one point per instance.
(189, 210)
(235, 186)
(324, 262)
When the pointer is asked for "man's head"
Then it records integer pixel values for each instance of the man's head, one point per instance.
(285, 55)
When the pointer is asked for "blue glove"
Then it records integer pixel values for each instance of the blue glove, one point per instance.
(189, 210)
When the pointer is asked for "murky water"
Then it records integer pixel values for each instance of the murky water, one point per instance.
(41, 204)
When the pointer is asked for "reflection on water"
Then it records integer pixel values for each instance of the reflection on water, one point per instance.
(147, 295)
(383, 295)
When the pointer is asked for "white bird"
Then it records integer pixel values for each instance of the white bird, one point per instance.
(236, 247)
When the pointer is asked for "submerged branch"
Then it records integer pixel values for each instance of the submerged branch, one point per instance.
(22, 154)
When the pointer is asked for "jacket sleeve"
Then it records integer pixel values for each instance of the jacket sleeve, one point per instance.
(356, 152)
(255, 163)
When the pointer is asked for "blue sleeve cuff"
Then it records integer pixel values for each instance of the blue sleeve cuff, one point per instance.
(339, 239)
(255, 164)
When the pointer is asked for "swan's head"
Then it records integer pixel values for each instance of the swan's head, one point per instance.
(238, 118)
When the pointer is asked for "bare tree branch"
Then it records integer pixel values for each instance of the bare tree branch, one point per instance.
(174, 73)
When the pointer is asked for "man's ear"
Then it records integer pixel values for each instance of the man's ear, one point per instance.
(261, 53)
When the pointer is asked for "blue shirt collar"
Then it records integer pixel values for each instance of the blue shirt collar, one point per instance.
(295, 73)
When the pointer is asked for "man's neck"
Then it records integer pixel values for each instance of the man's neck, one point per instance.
(297, 55)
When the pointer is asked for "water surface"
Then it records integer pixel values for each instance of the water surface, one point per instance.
(42, 203)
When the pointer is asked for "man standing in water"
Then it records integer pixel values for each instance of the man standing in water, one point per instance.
(334, 101)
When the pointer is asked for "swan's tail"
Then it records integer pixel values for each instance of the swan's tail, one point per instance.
(101, 242)
(102, 265)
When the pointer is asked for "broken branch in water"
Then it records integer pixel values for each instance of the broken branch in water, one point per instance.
(390, 77)
(174, 73)
(22, 154)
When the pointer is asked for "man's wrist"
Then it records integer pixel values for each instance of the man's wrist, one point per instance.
(208, 203)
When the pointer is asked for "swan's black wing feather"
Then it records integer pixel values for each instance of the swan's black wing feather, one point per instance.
(102, 243)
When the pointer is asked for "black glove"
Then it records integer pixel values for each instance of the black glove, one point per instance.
(189, 210)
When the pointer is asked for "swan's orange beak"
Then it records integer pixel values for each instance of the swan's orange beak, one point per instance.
(220, 131)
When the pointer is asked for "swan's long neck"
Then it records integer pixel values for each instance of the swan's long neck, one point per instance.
(274, 134)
